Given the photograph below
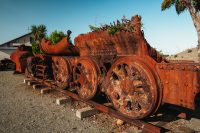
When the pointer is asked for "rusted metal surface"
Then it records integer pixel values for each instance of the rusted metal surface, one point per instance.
(132, 87)
(40, 66)
(61, 71)
(86, 78)
(134, 101)
(181, 82)
(64, 47)
(134, 76)
(19, 57)
(121, 43)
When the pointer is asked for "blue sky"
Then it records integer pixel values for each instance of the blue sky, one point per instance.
(165, 31)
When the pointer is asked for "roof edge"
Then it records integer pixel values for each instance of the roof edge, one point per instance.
(16, 38)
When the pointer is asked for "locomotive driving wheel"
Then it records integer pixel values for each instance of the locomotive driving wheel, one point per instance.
(61, 71)
(31, 66)
(85, 76)
(132, 88)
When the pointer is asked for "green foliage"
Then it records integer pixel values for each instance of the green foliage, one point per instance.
(55, 37)
(196, 5)
(189, 50)
(36, 48)
(181, 5)
(112, 30)
(38, 32)
(167, 4)
(93, 28)
(123, 25)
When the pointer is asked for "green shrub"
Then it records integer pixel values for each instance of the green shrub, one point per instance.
(38, 32)
(93, 28)
(123, 25)
(36, 48)
(189, 50)
(55, 37)
(166, 55)
(175, 56)
(112, 30)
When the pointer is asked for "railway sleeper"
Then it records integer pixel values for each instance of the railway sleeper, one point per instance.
(144, 126)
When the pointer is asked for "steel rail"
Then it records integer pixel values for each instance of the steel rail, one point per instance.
(145, 127)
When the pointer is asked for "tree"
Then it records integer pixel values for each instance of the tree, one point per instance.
(193, 6)
(38, 32)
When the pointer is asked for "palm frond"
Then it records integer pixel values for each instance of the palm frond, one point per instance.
(180, 6)
(167, 4)
(196, 5)
(38, 32)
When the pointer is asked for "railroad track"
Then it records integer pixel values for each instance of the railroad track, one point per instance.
(144, 126)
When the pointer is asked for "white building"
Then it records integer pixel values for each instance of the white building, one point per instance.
(8, 47)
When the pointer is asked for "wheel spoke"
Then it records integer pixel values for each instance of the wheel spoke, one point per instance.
(129, 89)
(60, 70)
(86, 75)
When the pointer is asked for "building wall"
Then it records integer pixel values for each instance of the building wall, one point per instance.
(7, 48)
(20, 41)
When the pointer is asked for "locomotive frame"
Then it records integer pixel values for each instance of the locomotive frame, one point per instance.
(123, 66)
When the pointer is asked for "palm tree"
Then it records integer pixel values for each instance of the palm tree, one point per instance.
(38, 32)
(34, 32)
(42, 31)
(193, 6)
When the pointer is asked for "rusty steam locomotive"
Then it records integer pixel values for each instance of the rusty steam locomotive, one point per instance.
(123, 66)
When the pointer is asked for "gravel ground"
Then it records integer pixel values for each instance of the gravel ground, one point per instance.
(23, 109)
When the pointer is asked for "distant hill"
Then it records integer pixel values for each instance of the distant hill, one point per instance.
(189, 54)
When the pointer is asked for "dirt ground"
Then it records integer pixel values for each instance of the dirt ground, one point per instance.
(23, 109)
